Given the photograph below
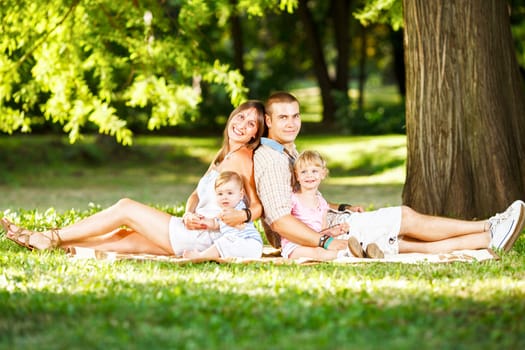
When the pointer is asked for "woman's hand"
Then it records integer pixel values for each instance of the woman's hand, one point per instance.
(194, 221)
(233, 217)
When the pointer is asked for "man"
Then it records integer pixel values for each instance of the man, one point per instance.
(395, 229)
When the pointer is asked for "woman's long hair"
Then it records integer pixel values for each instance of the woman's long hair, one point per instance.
(254, 141)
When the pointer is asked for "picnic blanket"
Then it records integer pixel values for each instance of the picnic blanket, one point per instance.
(271, 255)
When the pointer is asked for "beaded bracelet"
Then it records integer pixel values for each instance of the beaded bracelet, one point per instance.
(327, 242)
(323, 240)
(248, 214)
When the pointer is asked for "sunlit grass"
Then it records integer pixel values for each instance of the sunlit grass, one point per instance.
(49, 301)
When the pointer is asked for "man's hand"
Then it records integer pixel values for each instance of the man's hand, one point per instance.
(336, 230)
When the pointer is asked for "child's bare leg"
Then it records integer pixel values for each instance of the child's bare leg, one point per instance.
(468, 241)
(316, 253)
(210, 253)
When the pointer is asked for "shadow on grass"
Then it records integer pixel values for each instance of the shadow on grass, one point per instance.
(23, 156)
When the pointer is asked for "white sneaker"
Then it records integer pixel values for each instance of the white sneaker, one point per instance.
(506, 227)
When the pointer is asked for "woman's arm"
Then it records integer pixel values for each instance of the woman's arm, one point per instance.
(242, 163)
(190, 219)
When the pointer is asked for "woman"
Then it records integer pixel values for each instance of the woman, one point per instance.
(132, 227)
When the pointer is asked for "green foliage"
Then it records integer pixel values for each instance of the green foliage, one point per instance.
(87, 63)
(517, 18)
(381, 11)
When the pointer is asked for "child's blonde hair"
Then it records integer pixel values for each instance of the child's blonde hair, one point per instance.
(227, 176)
(309, 157)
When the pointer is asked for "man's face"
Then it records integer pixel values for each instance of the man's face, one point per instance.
(284, 123)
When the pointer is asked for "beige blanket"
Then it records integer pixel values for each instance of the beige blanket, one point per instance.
(271, 255)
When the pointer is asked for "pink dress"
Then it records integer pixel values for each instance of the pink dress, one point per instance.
(313, 217)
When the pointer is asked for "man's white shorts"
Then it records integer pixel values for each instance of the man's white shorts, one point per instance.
(378, 226)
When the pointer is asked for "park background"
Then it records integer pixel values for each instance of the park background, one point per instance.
(59, 94)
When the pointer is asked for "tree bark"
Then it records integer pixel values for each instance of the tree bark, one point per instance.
(320, 67)
(237, 38)
(464, 108)
(334, 91)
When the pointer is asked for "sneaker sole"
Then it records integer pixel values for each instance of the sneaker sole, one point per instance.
(355, 247)
(373, 251)
(517, 230)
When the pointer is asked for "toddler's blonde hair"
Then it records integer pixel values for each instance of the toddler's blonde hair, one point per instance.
(227, 176)
(309, 157)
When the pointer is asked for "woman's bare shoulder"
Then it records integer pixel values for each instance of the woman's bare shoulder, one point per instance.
(243, 155)
(240, 161)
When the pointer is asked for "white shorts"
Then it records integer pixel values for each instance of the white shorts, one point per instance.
(288, 248)
(228, 246)
(233, 246)
(183, 239)
(378, 226)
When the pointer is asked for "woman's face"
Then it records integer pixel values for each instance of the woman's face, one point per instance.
(243, 126)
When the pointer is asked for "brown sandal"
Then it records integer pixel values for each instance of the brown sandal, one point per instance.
(21, 235)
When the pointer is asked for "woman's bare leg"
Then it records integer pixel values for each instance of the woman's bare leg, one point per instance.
(150, 223)
(434, 228)
(122, 240)
(467, 241)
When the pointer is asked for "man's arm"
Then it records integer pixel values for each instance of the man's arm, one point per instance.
(293, 229)
(274, 187)
(340, 207)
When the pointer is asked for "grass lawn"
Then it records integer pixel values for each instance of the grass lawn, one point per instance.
(48, 301)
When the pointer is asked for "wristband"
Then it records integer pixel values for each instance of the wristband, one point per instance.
(342, 206)
(327, 242)
(323, 240)
(248, 214)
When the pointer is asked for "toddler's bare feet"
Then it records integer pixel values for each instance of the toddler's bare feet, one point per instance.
(190, 254)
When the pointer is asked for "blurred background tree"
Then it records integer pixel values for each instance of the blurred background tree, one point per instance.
(134, 66)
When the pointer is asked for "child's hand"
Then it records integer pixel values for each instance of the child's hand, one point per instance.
(193, 221)
(356, 209)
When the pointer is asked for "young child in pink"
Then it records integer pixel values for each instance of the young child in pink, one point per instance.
(309, 206)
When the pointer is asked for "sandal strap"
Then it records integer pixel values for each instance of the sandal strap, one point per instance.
(55, 239)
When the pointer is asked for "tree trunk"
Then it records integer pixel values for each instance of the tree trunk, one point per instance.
(362, 71)
(464, 108)
(396, 39)
(334, 92)
(320, 67)
(238, 42)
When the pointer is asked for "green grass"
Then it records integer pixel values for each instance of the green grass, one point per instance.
(39, 172)
(49, 301)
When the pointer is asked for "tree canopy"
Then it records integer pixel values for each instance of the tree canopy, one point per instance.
(103, 62)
